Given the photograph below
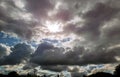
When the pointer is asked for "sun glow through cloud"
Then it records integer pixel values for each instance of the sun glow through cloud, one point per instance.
(59, 38)
(53, 27)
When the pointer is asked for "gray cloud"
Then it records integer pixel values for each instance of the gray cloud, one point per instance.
(96, 17)
(76, 56)
(48, 56)
(58, 56)
(39, 8)
(15, 20)
(29, 66)
(100, 29)
(63, 15)
(57, 68)
(99, 26)
(4, 50)
(110, 32)
(20, 53)
(94, 20)
(99, 56)
(42, 47)
(77, 74)
(95, 14)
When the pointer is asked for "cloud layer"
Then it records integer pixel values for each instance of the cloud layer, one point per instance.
(92, 26)
(76, 56)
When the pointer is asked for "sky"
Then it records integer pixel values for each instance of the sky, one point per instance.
(74, 37)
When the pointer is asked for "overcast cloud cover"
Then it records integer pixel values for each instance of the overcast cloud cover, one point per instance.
(92, 27)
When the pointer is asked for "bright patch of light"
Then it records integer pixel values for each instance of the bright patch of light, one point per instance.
(53, 27)
(58, 5)
(19, 3)
(117, 58)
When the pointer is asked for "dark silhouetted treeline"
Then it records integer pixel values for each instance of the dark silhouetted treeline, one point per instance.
(104, 74)
(15, 74)
(98, 74)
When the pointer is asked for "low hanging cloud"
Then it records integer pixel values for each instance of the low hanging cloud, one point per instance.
(20, 53)
(57, 68)
(79, 71)
(76, 56)
(48, 56)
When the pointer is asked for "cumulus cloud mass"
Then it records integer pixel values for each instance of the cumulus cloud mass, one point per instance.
(60, 35)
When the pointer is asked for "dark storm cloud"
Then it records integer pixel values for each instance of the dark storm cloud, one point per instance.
(54, 56)
(99, 56)
(77, 74)
(42, 47)
(57, 68)
(76, 56)
(29, 66)
(48, 56)
(20, 52)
